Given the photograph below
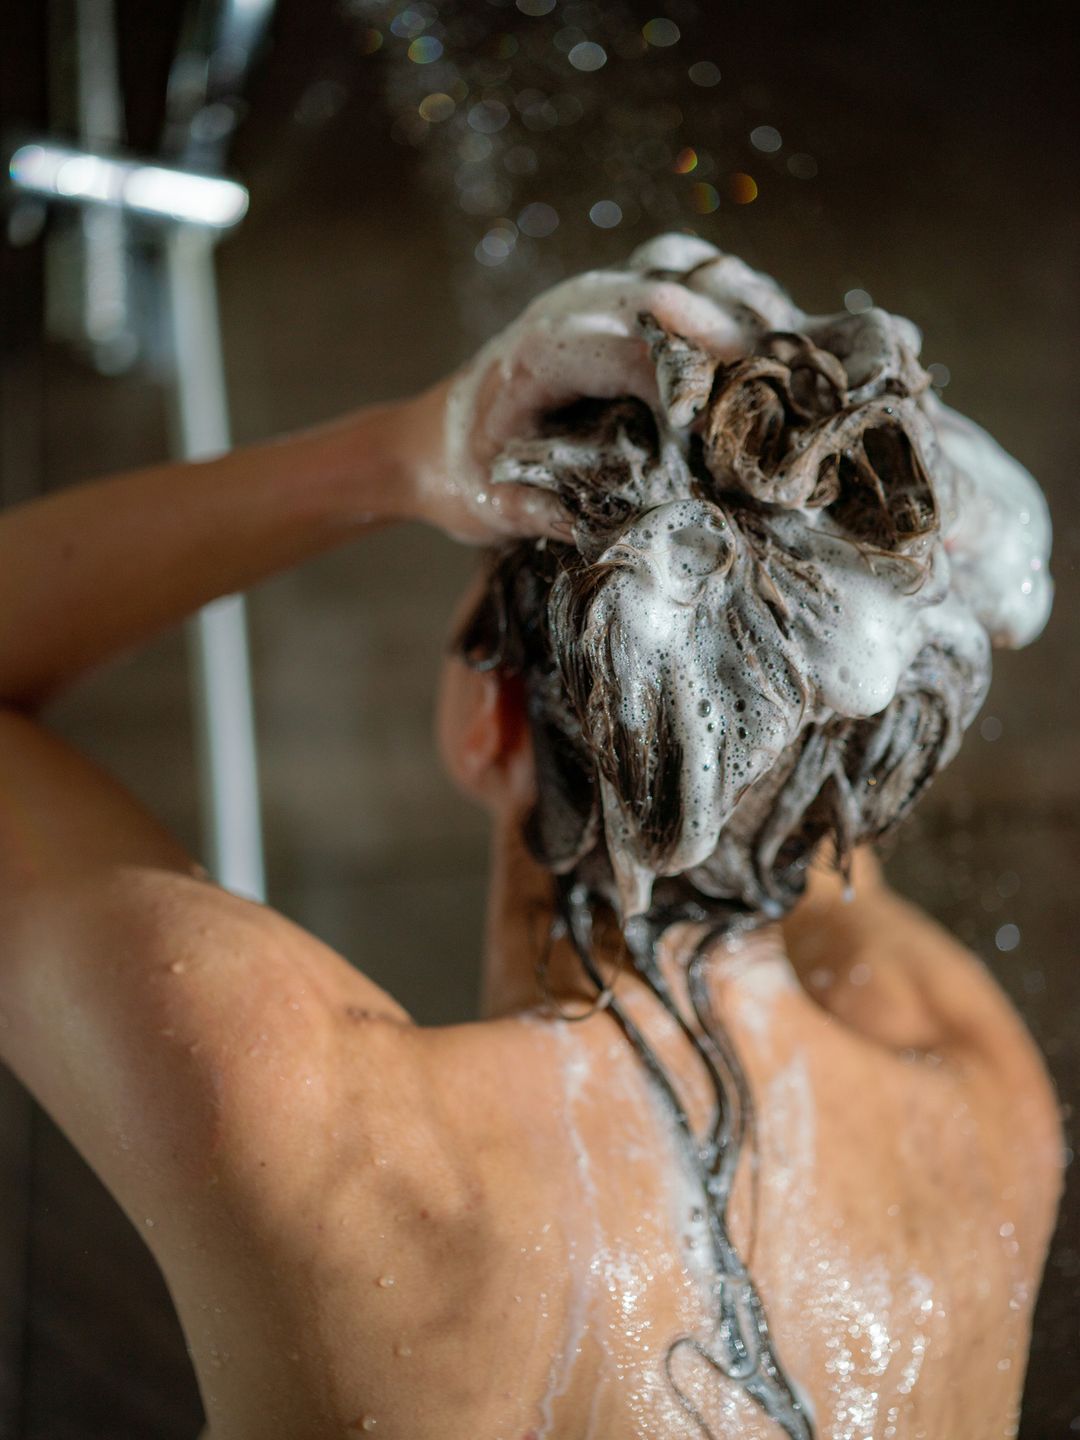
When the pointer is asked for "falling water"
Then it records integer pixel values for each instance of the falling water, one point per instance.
(555, 136)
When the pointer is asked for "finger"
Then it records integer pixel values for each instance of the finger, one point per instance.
(583, 339)
(526, 512)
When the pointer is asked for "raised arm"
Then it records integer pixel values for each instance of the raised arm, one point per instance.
(103, 566)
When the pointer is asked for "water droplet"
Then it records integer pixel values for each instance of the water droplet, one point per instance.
(605, 214)
(425, 50)
(1007, 937)
(538, 220)
(704, 73)
(742, 188)
(385, 1282)
(586, 55)
(488, 117)
(704, 198)
(408, 23)
(437, 107)
(661, 33)
(521, 160)
(766, 138)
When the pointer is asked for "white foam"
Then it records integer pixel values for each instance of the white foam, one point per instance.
(669, 610)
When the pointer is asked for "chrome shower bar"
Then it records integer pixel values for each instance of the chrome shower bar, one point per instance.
(191, 206)
(157, 192)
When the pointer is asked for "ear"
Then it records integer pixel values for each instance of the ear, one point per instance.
(484, 735)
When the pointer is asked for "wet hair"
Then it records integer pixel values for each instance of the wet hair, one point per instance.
(780, 434)
(753, 646)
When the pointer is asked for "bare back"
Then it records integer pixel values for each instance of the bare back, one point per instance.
(496, 1236)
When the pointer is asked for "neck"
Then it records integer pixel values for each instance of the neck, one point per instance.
(521, 910)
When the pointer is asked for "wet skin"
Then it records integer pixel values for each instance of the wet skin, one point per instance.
(481, 1231)
(363, 1222)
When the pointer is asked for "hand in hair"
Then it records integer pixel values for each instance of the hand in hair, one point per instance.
(581, 338)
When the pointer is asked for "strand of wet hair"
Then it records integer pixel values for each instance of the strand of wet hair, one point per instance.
(749, 1359)
(759, 1370)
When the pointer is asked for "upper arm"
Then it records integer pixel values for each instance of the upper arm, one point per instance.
(171, 1029)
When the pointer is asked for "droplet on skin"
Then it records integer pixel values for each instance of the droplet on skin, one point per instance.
(385, 1282)
(178, 967)
(403, 1350)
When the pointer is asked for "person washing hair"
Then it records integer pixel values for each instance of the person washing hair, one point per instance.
(745, 1146)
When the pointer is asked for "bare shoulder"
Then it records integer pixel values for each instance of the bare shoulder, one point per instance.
(890, 973)
(183, 1037)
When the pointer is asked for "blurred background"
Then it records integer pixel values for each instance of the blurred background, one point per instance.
(416, 172)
